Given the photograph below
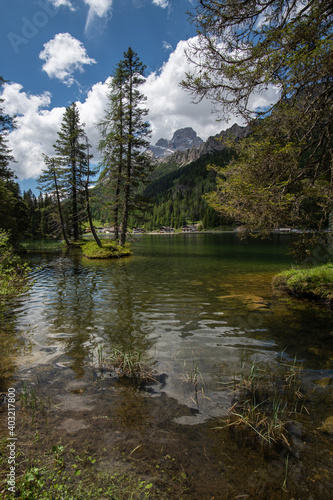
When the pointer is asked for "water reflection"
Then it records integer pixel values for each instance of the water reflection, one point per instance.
(191, 302)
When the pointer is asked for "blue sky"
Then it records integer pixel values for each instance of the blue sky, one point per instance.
(54, 52)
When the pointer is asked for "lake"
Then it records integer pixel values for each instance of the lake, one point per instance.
(199, 307)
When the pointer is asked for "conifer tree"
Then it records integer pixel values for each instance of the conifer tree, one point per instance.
(124, 139)
(50, 182)
(70, 148)
(112, 143)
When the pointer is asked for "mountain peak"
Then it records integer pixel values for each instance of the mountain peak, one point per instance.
(182, 139)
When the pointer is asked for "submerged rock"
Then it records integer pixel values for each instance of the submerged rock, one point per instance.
(324, 382)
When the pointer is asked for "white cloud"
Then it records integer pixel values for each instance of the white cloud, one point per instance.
(37, 127)
(161, 3)
(35, 132)
(63, 55)
(170, 108)
(97, 8)
(65, 3)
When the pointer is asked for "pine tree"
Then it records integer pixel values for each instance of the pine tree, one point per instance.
(124, 140)
(70, 148)
(112, 143)
(49, 182)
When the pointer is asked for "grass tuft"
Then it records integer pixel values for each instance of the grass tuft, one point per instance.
(130, 365)
(266, 402)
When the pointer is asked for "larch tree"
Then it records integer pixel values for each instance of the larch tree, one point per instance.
(50, 182)
(125, 133)
(68, 175)
(70, 148)
(283, 173)
(112, 144)
(86, 173)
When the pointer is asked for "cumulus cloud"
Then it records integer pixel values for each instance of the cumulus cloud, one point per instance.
(37, 126)
(170, 108)
(35, 132)
(161, 3)
(63, 55)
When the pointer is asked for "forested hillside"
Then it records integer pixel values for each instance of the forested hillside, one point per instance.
(177, 198)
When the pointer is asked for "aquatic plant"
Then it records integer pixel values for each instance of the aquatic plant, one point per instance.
(33, 403)
(62, 474)
(130, 365)
(266, 401)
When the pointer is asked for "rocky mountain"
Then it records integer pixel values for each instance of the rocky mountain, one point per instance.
(182, 140)
(213, 144)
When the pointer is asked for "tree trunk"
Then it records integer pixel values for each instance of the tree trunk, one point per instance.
(59, 209)
(86, 188)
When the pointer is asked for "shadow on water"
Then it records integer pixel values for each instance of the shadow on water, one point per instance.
(197, 307)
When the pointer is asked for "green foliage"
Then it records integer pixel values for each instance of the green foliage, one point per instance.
(60, 474)
(283, 173)
(243, 47)
(277, 178)
(316, 282)
(13, 274)
(108, 250)
(124, 132)
(178, 196)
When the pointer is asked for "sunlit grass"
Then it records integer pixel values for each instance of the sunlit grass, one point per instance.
(110, 249)
(316, 282)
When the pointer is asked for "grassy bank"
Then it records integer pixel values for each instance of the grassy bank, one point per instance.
(315, 283)
(110, 249)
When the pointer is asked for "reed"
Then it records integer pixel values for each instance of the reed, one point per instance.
(266, 401)
(130, 365)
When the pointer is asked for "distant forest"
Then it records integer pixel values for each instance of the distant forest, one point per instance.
(176, 198)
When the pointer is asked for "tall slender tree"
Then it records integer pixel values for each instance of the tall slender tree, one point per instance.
(125, 133)
(112, 143)
(86, 172)
(49, 182)
(7, 124)
(70, 148)
(12, 214)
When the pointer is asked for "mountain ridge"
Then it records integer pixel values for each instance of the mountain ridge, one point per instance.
(182, 139)
(213, 144)
(183, 156)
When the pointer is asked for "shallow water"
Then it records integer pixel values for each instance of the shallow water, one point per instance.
(197, 305)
